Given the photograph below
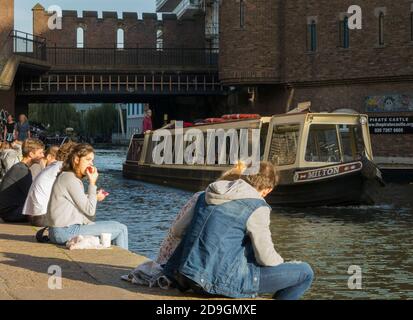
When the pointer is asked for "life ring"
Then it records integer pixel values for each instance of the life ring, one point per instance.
(241, 116)
(215, 120)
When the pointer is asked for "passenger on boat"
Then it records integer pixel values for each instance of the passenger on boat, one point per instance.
(35, 207)
(70, 210)
(227, 247)
(147, 121)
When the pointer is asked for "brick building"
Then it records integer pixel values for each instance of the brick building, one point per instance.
(272, 55)
(7, 97)
(272, 51)
(88, 30)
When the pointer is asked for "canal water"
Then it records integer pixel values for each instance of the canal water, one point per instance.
(377, 240)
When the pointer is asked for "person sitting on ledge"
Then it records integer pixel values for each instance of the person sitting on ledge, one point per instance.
(38, 198)
(8, 158)
(49, 158)
(17, 181)
(70, 210)
(227, 248)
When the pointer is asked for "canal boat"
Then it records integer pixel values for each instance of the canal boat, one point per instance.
(323, 159)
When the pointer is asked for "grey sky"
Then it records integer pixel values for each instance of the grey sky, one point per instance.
(23, 12)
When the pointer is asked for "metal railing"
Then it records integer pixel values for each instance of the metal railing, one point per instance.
(140, 57)
(28, 45)
(186, 5)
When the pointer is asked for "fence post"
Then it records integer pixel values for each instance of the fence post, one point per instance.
(114, 55)
(137, 54)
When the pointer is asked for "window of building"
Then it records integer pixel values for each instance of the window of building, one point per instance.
(80, 38)
(159, 40)
(120, 39)
(312, 36)
(241, 14)
(381, 29)
(344, 32)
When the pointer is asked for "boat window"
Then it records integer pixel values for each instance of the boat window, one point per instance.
(284, 144)
(352, 142)
(322, 145)
(263, 139)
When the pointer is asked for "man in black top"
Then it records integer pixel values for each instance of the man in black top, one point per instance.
(17, 181)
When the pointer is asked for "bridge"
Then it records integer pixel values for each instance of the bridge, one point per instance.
(125, 71)
(44, 73)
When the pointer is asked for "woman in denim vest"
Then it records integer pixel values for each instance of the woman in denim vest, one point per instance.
(227, 247)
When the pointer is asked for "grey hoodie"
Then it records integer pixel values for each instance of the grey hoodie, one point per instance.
(8, 159)
(258, 224)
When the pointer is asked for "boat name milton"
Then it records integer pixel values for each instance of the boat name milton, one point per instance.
(316, 174)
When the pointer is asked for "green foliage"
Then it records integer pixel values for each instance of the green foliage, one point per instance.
(102, 120)
(95, 122)
(57, 116)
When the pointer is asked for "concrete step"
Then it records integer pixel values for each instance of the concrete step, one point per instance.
(86, 274)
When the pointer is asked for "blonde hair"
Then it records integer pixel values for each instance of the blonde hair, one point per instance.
(266, 178)
(31, 145)
(52, 151)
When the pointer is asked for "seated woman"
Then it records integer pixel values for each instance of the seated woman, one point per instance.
(70, 210)
(227, 248)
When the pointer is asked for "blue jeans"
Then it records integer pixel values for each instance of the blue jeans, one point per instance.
(119, 232)
(287, 281)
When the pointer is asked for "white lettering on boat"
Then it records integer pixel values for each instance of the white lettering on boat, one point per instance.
(320, 173)
(223, 147)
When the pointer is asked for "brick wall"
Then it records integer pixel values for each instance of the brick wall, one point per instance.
(330, 98)
(7, 100)
(272, 47)
(250, 54)
(6, 25)
(364, 58)
(273, 43)
(102, 32)
(188, 33)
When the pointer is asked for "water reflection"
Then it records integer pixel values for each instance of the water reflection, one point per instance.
(376, 238)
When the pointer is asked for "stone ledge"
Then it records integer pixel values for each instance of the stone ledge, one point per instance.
(86, 274)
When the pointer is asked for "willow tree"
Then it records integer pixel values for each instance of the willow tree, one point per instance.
(56, 117)
(101, 121)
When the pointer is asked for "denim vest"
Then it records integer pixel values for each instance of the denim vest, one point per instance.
(216, 253)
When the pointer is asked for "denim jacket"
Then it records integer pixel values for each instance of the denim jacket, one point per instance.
(216, 252)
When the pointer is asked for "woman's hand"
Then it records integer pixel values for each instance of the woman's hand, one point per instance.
(92, 174)
(101, 195)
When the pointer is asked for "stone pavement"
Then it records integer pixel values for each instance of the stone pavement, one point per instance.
(86, 274)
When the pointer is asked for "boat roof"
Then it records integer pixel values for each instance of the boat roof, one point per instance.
(236, 123)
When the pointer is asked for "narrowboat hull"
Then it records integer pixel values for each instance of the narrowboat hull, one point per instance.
(352, 188)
